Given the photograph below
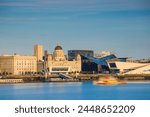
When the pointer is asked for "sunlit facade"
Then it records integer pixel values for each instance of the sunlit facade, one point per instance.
(129, 67)
(58, 62)
(18, 65)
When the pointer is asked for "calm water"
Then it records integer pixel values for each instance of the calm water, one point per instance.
(74, 91)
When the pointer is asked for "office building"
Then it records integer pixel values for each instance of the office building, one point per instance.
(57, 62)
(18, 65)
(73, 53)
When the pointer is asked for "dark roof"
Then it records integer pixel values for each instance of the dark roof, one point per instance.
(100, 61)
(58, 48)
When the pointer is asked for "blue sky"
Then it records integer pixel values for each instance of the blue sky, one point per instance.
(121, 26)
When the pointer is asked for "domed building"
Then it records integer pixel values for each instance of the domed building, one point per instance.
(59, 54)
(58, 62)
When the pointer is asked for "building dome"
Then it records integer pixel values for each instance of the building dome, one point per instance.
(58, 54)
(58, 48)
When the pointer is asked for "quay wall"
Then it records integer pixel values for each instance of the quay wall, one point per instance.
(134, 76)
(79, 77)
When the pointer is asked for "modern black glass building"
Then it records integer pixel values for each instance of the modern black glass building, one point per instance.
(73, 53)
(91, 64)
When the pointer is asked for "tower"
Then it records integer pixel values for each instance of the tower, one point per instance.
(59, 54)
(78, 57)
(38, 52)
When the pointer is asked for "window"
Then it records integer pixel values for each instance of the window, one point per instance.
(60, 69)
(112, 65)
(147, 70)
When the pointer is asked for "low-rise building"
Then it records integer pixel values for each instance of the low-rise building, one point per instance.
(129, 67)
(18, 65)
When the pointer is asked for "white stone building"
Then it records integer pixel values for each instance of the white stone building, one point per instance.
(129, 67)
(58, 62)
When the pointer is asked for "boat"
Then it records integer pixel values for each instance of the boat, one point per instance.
(109, 80)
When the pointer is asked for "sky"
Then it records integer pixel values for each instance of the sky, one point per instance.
(120, 26)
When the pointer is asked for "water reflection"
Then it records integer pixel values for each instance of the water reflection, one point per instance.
(74, 91)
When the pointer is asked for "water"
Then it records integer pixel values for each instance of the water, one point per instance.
(74, 91)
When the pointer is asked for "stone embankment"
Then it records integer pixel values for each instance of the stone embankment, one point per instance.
(75, 78)
(134, 76)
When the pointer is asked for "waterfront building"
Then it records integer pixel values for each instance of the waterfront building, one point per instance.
(73, 53)
(96, 64)
(93, 63)
(129, 67)
(18, 65)
(58, 62)
(87, 65)
(38, 52)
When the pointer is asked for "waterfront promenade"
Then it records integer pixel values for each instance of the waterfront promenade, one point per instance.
(73, 78)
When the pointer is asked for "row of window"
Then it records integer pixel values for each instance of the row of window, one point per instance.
(24, 66)
(25, 63)
(26, 69)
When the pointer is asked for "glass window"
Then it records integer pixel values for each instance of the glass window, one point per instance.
(60, 69)
(112, 65)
